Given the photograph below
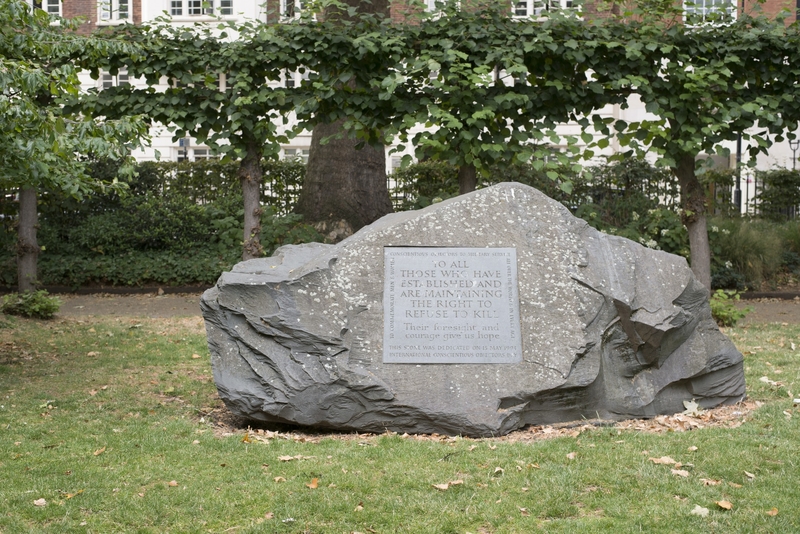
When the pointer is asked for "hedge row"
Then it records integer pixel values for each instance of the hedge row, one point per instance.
(181, 223)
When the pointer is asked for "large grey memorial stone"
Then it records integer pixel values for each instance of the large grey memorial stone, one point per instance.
(371, 334)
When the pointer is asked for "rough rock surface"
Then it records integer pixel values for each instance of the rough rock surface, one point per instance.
(609, 329)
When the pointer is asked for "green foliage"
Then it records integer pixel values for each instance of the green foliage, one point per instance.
(779, 198)
(42, 145)
(419, 184)
(177, 224)
(36, 304)
(136, 268)
(752, 248)
(791, 235)
(724, 310)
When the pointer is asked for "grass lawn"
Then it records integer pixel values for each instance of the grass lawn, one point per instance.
(111, 425)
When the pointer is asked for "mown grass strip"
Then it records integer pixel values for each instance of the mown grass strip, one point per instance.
(111, 422)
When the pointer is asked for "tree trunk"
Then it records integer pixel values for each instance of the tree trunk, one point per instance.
(250, 175)
(27, 246)
(467, 179)
(344, 189)
(693, 202)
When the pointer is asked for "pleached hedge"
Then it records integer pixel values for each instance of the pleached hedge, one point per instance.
(180, 224)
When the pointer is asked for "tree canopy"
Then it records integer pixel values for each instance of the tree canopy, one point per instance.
(41, 145)
(487, 87)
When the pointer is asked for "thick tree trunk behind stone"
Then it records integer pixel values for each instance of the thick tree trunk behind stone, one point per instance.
(250, 176)
(345, 188)
(27, 246)
(467, 179)
(693, 202)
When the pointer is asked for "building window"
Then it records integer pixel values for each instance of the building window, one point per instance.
(535, 8)
(114, 10)
(53, 7)
(709, 11)
(178, 8)
(297, 153)
(293, 79)
(202, 153)
(108, 80)
(186, 152)
(292, 8)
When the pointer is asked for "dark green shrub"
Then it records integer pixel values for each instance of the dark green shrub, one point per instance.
(36, 304)
(724, 277)
(779, 198)
(752, 248)
(791, 235)
(418, 185)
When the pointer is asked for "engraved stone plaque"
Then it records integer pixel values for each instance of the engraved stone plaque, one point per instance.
(451, 305)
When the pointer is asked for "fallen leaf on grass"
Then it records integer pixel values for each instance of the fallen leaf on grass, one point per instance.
(680, 472)
(291, 458)
(768, 380)
(751, 476)
(710, 481)
(524, 512)
(172, 483)
(269, 515)
(498, 471)
(734, 485)
(195, 356)
(279, 479)
(773, 512)
(359, 507)
(40, 502)
(93, 353)
(314, 483)
(71, 495)
(692, 408)
(692, 448)
(100, 451)
(246, 438)
(572, 455)
(699, 510)
(725, 505)
(664, 460)
(447, 485)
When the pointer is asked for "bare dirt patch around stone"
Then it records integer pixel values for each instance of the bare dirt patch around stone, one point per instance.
(146, 305)
(771, 310)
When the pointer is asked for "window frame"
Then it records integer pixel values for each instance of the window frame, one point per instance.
(297, 9)
(297, 152)
(48, 5)
(110, 11)
(696, 12)
(191, 9)
(108, 80)
(536, 8)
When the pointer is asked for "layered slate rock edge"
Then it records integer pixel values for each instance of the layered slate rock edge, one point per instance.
(610, 329)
